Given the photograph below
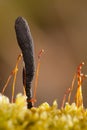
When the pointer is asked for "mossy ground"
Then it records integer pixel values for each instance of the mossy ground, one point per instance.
(16, 116)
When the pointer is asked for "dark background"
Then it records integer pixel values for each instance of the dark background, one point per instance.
(57, 26)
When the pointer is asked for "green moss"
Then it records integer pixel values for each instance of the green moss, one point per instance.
(16, 116)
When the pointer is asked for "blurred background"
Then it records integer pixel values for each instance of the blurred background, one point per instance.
(57, 26)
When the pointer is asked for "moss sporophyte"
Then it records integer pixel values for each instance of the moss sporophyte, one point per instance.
(16, 116)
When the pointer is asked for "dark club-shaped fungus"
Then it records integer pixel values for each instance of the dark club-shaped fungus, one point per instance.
(25, 42)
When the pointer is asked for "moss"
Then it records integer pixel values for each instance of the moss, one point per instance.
(16, 116)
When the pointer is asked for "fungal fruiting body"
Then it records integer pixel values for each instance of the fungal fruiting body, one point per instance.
(25, 42)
